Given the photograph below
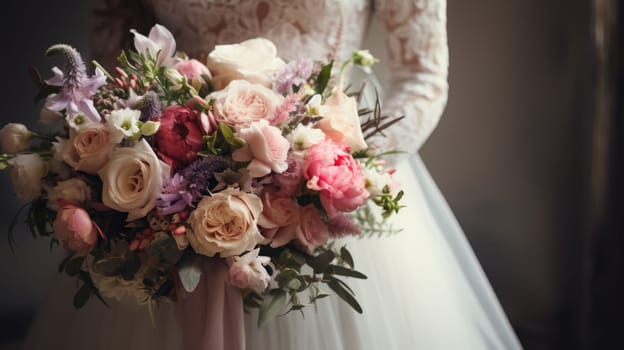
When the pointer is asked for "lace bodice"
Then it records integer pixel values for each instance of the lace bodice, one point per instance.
(318, 29)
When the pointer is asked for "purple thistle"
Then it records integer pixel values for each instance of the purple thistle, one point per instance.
(200, 174)
(150, 106)
(77, 88)
(295, 73)
(175, 196)
(342, 225)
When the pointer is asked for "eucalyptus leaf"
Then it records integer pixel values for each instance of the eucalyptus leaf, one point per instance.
(344, 294)
(74, 265)
(272, 306)
(343, 271)
(345, 255)
(190, 272)
(82, 296)
(109, 266)
(321, 262)
(292, 259)
(64, 262)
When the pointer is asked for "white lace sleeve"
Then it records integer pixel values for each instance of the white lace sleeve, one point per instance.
(416, 40)
(112, 21)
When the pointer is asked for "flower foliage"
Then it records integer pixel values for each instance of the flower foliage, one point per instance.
(169, 160)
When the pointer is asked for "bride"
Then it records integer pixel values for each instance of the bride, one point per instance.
(425, 289)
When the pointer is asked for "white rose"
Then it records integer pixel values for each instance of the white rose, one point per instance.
(254, 60)
(27, 170)
(247, 271)
(14, 138)
(74, 190)
(133, 180)
(341, 121)
(304, 136)
(225, 223)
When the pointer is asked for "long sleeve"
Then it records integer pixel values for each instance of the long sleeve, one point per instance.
(112, 21)
(416, 41)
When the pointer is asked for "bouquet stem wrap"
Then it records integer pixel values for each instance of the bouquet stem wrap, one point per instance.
(211, 317)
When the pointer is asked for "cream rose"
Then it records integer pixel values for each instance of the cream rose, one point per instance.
(87, 149)
(280, 216)
(26, 171)
(14, 138)
(254, 60)
(225, 224)
(74, 190)
(243, 103)
(341, 121)
(133, 180)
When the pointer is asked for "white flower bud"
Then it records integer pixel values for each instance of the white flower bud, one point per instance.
(14, 138)
(149, 128)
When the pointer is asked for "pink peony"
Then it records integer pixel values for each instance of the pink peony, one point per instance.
(312, 231)
(247, 271)
(74, 228)
(333, 172)
(265, 147)
(280, 215)
(194, 71)
(179, 137)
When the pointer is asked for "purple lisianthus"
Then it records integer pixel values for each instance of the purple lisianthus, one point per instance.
(175, 196)
(77, 88)
(295, 73)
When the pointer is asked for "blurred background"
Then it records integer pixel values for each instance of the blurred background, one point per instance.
(528, 155)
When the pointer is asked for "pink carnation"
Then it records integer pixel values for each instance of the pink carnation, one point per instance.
(333, 172)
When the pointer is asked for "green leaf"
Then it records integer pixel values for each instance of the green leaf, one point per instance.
(229, 136)
(272, 306)
(286, 275)
(109, 266)
(190, 272)
(321, 262)
(292, 259)
(345, 255)
(82, 296)
(339, 287)
(323, 78)
(343, 271)
(73, 266)
(64, 262)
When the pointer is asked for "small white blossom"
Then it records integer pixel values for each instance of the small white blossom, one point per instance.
(314, 107)
(78, 121)
(364, 58)
(376, 181)
(304, 136)
(123, 123)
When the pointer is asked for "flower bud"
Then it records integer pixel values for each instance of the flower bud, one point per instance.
(149, 128)
(364, 58)
(14, 138)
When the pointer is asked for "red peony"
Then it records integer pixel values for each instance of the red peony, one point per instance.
(179, 137)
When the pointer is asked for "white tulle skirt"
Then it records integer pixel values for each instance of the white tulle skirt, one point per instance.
(425, 290)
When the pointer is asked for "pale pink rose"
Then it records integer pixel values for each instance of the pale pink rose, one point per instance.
(338, 177)
(312, 231)
(254, 60)
(279, 216)
(88, 149)
(225, 223)
(194, 71)
(74, 229)
(247, 271)
(265, 147)
(341, 121)
(243, 103)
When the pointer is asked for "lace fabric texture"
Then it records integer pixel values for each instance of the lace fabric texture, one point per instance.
(318, 29)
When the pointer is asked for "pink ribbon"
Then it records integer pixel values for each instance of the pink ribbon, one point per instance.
(211, 317)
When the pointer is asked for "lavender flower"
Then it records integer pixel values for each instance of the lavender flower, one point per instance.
(201, 173)
(77, 88)
(175, 197)
(295, 73)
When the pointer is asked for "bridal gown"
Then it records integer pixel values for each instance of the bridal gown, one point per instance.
(425, 288)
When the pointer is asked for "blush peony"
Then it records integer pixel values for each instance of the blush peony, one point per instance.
(333, 172)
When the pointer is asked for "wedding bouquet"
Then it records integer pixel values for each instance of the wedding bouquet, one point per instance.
(167, 161)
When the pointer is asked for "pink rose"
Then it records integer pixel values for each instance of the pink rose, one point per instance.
(265, 147)
(247, 271)
(312, 231)
(279, 217)
(194, 71)
(74, 228)
(288, 183)
(179, 137)
(341, 121)
(87, 149)
(242, 103)
(333, 172)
